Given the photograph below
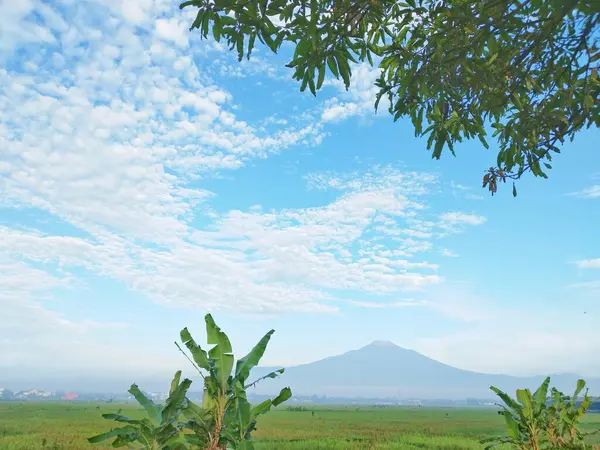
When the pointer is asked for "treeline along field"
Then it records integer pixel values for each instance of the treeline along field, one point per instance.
(68, 425)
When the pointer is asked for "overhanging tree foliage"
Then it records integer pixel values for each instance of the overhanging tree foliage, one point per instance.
(528, 69)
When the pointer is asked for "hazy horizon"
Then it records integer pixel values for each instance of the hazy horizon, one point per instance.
(396, 360)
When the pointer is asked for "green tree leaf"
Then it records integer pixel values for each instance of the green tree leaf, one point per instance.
(588, 101)
(251, 360)
(131, 432)
(333, 66)
(199, 355)
(175, 382)
(151, 409)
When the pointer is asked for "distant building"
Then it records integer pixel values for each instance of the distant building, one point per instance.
(34, 393)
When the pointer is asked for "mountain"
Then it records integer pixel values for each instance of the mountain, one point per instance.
(378, 371)
(383, 369)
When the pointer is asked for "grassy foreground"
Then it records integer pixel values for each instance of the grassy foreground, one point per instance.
(66, 426)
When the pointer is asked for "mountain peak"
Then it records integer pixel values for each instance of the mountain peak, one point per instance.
(382, 344)
(383, 369)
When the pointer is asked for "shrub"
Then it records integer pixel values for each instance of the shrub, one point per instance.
(297, 409)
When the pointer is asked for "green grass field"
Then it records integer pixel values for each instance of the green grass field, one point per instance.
(66, 426)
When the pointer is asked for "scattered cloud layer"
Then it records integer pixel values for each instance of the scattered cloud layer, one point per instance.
(117, 126)
(113, 121)
(264, 261)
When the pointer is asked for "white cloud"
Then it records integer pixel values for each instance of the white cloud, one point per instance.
(589, 286)
(405, 182)
(111, 143)
(395, 304)
(52, 18)
(591, 192)
(460, 218)
(20, 280)
(588, 263)
(448, 253)
(592, 286)
(227, 65)
(136, 12)
(259, 261)
(315, 246)
(115, 138)
(359, 100)
(16, 30)
(339, 112)
(460, 190)
(173, 30)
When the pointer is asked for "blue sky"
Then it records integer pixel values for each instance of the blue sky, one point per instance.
(147, 178)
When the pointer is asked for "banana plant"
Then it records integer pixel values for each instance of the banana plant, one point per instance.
(525, 418)
(160, 430)
(225, 419)
(555, 425)
(566, 413)
(535, 422)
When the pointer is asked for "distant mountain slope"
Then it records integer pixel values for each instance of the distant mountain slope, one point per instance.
(382, 369)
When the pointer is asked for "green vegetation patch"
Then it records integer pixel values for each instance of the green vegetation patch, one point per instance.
(27, 426)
